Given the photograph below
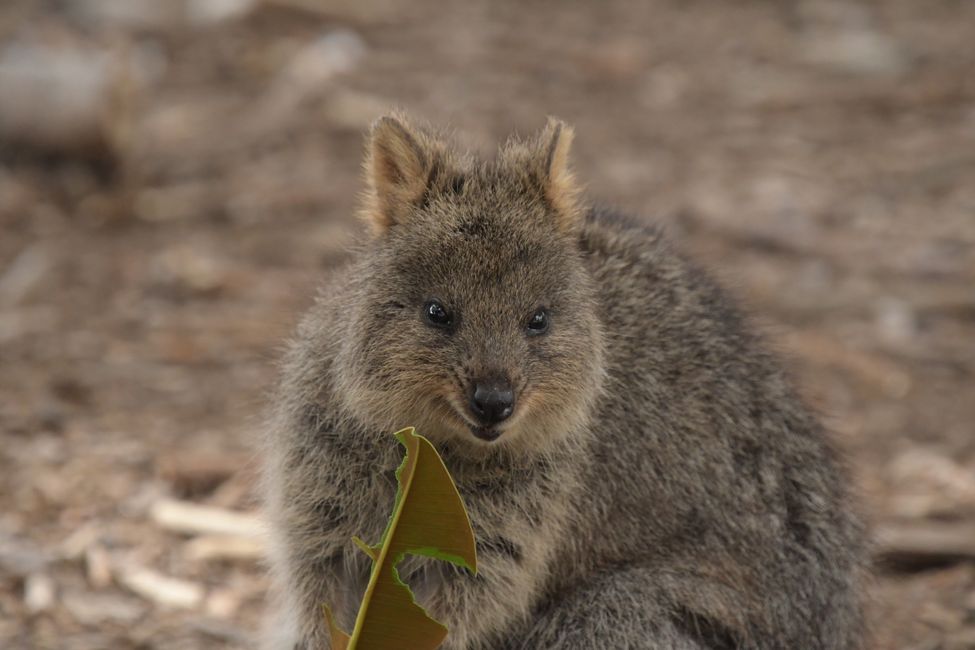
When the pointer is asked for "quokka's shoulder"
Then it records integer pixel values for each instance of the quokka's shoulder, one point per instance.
(606, 231)
(637, 264)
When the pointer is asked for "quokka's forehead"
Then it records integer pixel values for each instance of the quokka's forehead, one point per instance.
(483, 245)
(488, 269)
(492, 239)
(499, 231)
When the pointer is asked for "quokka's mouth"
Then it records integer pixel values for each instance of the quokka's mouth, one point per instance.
(485, 433)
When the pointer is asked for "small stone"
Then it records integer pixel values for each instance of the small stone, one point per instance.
(25, 276)
(19, 559)
(329, 55)
(208, 12)
(896, 321)
(189, 269)
(307, 75)
(855, 50)
(223, 603)
(39, 592)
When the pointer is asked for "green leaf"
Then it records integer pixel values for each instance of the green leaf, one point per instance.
(428, 519)
(340, 640)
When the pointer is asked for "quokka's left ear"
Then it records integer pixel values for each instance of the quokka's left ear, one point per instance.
(550, 163)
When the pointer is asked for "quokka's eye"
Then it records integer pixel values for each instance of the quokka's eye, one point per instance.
(538, 323)
(437, 315)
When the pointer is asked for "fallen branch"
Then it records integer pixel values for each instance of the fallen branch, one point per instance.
(64, 100)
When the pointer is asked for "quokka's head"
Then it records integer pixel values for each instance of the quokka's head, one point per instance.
(474, 316)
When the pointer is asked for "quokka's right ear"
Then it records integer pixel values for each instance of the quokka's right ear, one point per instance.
(551, 161)
(402, 164)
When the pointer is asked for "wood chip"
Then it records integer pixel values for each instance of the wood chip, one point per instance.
(192, 518)
(98, 566)
(161, 589)
(224, 547)
(98, 608)
(924, 543)
(80, 540)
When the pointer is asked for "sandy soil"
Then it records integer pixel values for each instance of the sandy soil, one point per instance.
(819, 157)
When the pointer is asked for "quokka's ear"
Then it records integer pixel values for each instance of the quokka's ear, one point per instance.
(550, 162)
(402, 163)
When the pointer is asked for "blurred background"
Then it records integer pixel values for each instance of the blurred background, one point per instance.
(176, 177)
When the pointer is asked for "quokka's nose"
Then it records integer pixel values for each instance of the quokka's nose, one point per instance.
(492, 401)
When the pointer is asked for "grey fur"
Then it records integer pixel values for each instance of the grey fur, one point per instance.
(659, 485)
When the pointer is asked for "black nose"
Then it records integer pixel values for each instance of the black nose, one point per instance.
(492, 401)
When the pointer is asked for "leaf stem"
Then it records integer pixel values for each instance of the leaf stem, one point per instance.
(386, 541)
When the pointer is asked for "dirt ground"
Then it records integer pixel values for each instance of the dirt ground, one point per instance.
(819, 157)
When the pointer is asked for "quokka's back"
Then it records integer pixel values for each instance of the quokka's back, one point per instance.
(638, 470)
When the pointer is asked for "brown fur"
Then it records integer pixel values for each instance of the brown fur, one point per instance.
(659, 484)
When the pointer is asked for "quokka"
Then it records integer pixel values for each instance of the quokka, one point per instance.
(638, 470)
